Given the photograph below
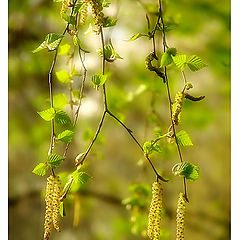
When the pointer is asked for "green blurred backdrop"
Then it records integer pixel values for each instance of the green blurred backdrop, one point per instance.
(200, 27)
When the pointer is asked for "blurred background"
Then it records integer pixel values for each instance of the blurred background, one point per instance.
(114, 203)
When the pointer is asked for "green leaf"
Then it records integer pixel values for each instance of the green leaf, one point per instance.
(180, 61)
(47, 114)
(195, 63)
(77, 8)
(62, 117)
(62, 210)
(148, 147)
(65, 136)
(60, 101)
(106, 3)
(69, 19)
(63, 77)
(76, 41)
(166, 59)
(187, 170)
(40, 169)
(99, 79)
(80, 177)
(110, 53)
(184, 139)
(108, 22)
(54, 160)
(172, 51)
(136, 36)
(64, 49)
(52, 40)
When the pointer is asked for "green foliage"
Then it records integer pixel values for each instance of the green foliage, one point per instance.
(108, 22)
(76, 41)
(195, 63)
(69, 19)
(54, 160)
(61, 209)
(63, 77)
(47, 114)
(52, 40)
(180, 61)
(136, 36)
(149, 147)
(60, 101)
(80, 177)
(110, 53)
(66, 136)
(140, 189)
(40, 169)
(99, 79)
(62, 118)
(184, 139)
(167, 57)
(187, 170)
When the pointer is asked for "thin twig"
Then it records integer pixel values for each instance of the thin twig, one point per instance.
(169, 96)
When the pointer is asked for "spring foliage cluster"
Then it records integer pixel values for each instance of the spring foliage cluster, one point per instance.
(76, 14)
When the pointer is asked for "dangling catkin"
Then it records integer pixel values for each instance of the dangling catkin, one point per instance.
(180, 216)
(177, 107)
(49, 207)
(53, 193)
(97, 12)
(56, 203)
(65, 5)
(154, 217)
(83, 13)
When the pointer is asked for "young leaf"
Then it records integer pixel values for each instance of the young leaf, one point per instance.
(110, 53)
(51, 42)
(99, 79)
(108, 22)
(172, 51)
(80, 177)
(60, 101)
(65, 136)
(47, 114)
(106, 3)
(180, 61)
(166, 59)
(69, 19)
(40, 169)
(195, 63)
(63, 77)
(77, 7)
(148, 147)
(187, 170)
(64, 49)
(136, 36)
(62, 117)
(62, 210)
(54, 160)
(76, 41)
(184, 139)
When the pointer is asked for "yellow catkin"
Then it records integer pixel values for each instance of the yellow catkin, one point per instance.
(177, 107)
(53, 194)
(148, 61)
(83, 13)
(180, 216)
(97, 12)
(65, 5)
(49, 207)
(154, 217)
(56, 203)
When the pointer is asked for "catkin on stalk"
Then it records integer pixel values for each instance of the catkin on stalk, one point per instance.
(180, 217)
(97, 13)
(177, 107)
(154, 217)
(65, 5)
(56, 203)
(53, 193)
(83, 13)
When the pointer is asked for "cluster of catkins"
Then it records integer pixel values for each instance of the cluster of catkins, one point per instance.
(53, 194)
(177, 107)
(154, 217)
